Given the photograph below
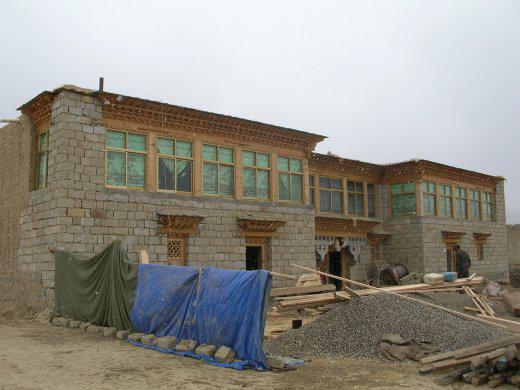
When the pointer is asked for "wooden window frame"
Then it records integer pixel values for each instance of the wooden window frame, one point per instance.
(312, 190)
(181, 240)
(428, 193)
(341, 190)
(126, 151)
(218, 163)
(356, 193)
(463, 200)
(291, 174)
(367, 197)
(487, 202)
(403, 194)
(256, 169)
(478, 201)
(175, 158)
(442, 198)
(39, 153)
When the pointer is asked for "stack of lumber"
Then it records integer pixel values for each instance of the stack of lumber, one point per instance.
(495, 363)
(296, 298)
(480, 303)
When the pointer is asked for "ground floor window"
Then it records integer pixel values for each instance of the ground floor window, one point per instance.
(176, 254)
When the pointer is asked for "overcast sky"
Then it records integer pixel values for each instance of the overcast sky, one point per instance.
(386, 80)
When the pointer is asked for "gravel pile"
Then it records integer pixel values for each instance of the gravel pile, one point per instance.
(355, 328)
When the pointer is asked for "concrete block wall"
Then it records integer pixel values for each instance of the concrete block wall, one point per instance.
(513, 243)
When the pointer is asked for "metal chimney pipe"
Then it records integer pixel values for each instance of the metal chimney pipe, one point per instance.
(101, 82)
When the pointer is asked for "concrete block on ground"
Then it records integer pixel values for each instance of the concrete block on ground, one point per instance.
(122, 334)
(186, 346)
(225, 355)
(275, 362)
(110, 332)
(135, 337)
(206, 349)
(74, 324)
(84, 325)
(93, 329)
(149, 339)
(167, 342)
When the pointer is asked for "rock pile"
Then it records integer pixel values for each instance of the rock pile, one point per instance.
(355, 328)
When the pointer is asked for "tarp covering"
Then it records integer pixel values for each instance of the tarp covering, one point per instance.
(210, 305)
(99, 290)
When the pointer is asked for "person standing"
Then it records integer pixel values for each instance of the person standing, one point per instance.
(462, 262)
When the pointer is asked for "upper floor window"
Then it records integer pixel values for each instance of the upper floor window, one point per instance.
(445, 200)
(403, 198)
(125, 159)
(174, 165)
(474, 204)
(460, 203)
(371, 199)
(487, 206)
(218, 165)
(331, 195)
(255, 174)
(290, 179)
(429, 197)
(312, 201)
(43, 152)
(355, 198)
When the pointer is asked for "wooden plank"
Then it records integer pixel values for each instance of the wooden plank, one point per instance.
(513, 326)
(283, 276)
(475, 302)
(297, 297)
(295, 302)
(286, 291)
(451, 363)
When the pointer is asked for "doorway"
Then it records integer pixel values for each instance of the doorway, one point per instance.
(450, 258)
(253, 258)
(335, 268)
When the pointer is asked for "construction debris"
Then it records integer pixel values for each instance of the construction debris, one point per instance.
(395, 347)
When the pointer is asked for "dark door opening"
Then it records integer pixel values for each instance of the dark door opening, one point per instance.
(335, 268)
(253, 257)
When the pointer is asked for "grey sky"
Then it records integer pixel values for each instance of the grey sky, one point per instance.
(385, 80)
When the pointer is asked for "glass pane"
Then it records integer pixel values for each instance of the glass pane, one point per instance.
(225, 178)
(116, 169)
(371, 189)
(43, 142)
(183, 149)
(397, 188)
(225, 155)
(183, 175)
(409, 204)
(351, 204)
(284, 186)
(136, 142)
(335, 183)
(296, 188)
(115, 139)
(360, 205)
(311, 196)
(209, 178)
(409, 187)
(165, 170)
(311, 181)
(397, 205)
(262, 178)
(248, 158)
(371, 207)
(359, 187)
(431, 187)
(283, 164)
(249, 182)
(426, 203)
(262, 160)
(425, 186)
(209, 153)
(325, 201)
(296, 165)
(136, 168)
(351, 186)
(337, 202)
(165, 146)
(42, 170)
(324, 182)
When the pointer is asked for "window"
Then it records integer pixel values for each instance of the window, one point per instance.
(290, 179)
(429, 197)
(311, 191)
(255, 174)
(474, 204)
(218, 170)
(460, 203)
(371, 198)
(445, 200)
(487, 206)
(174, 165)
(480, 250)
(125, 159)
(43, 152)
(355, 198)
(403, 198)
(331, 195)
(176, 251)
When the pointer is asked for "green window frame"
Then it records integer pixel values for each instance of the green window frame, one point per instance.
(429, 192)
(371, 200)
(331, 194)
(445, 200)
(125, 159)
(312, 201)
(290, 179)
(174, 165)
(403, 198)
(474, 204)
(42, 160)
(461, 210)
(256, 172)
(356, 198)
(487, 206)
(218, 170)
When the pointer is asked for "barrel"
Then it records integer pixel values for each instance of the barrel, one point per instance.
(391, 275)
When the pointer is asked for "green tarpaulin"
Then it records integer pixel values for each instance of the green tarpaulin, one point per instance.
(99, 290)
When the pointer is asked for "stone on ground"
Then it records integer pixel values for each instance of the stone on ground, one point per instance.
(74, 324)
(122, 334)
(206, 349)
(274, 361)
(225, 355)
(110, 332)
(93, 329)
(149, 339)
(135, 337)
(186, 346)
(60, 321)
(167, 342)
(84, 325)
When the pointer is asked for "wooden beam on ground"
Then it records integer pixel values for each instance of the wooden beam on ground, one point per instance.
(475, 302)
(287, 291)
(513, 326)
(406, 298)
(283, 276)
(451, 363)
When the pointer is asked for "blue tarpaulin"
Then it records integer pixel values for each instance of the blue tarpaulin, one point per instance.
(209, 305)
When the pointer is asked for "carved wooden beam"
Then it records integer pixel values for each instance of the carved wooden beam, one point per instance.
(262, 228)
(178, 224)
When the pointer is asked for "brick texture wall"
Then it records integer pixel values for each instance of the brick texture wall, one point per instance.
(513, 244)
